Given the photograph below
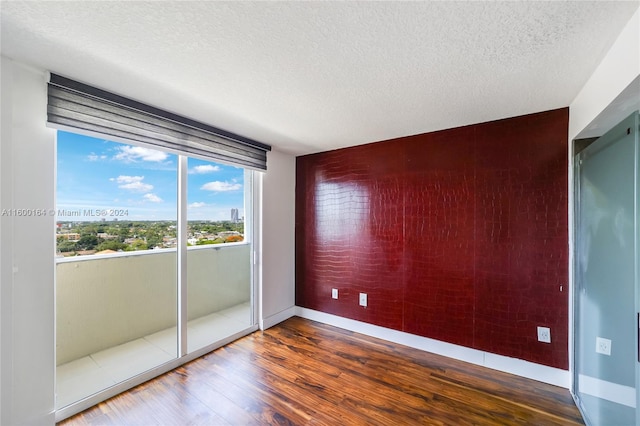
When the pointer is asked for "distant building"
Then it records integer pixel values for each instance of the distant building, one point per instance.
(226, 234)
(106, 236)
(234, 215)
(108, 251)
(71, 236)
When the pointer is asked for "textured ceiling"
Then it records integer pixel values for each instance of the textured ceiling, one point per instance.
(313, 76)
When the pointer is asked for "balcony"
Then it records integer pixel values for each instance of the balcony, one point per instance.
(116, 314)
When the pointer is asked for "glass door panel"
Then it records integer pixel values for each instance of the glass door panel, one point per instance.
(116, 282)
(606, 283)
(219, 289)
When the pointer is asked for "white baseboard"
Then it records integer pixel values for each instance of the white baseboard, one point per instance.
(274, 319)
(614, 392)
(519, 367)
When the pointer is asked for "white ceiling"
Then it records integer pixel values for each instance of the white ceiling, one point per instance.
(312, 76)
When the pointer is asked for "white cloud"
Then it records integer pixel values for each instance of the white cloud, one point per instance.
(196, 205)
(218, 186)
(137, 186)
(130, 154)
(127, 179)
(95, 157)
(152, 198)
(132, 183)
(204, 169)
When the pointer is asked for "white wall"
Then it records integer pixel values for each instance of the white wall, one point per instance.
(27, 159)
(278, 239)
(618, 69)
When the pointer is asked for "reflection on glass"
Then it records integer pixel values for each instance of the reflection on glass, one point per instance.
(343, 211)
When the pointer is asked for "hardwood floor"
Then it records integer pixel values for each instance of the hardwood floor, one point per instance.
(304, 372)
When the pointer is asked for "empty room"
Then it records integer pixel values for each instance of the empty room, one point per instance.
(352, 212)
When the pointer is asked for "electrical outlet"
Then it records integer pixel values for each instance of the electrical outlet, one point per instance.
(363, 299)
(603, 346)
(544, 334)
(334, 293)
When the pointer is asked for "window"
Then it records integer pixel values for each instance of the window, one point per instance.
(113, 197)
(118, 280)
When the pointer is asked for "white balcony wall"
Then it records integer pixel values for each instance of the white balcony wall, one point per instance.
(218, 278)
(105, 301)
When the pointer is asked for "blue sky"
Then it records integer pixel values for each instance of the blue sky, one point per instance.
(99, 174)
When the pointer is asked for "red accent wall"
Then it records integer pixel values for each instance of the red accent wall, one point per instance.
(458, 235)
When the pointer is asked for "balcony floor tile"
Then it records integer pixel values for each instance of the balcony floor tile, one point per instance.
(85, 376)
(78, 379)
(211, 328)
(239, 313)
(167, 340)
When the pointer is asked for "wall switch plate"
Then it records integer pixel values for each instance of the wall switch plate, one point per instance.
(544, 334)
(603, 346)
(363, 299)
(334, 293)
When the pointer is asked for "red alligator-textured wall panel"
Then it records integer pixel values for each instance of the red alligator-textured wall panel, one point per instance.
(458, 235)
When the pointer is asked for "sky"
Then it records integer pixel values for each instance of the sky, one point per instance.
(138, 183)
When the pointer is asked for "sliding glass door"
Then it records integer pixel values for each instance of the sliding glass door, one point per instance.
(606, 295)
(153, 262)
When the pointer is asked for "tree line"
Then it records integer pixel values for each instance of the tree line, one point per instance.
(136, 235)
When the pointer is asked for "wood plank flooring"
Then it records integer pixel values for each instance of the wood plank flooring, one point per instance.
(306, 373)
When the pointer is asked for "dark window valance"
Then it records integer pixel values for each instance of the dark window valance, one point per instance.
(77, 105)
